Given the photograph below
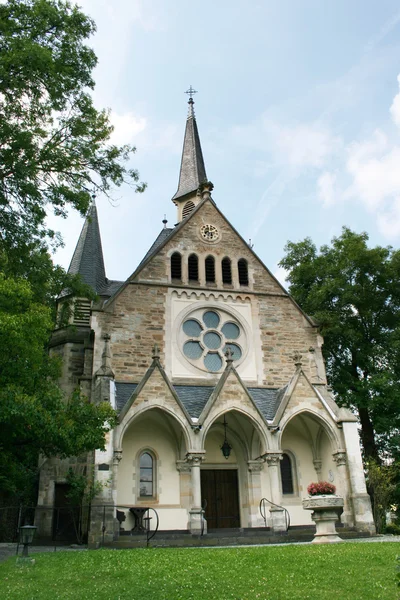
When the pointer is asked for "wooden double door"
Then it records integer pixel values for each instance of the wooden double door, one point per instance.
(219, 490)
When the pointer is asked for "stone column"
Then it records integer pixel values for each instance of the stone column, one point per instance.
(184, 469)
(340, 459)
(196, 524)
(277, 512)
(360, 499)
(255, 467)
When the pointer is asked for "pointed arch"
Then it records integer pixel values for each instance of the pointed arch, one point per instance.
(243, 271)
(210, 269)
(226, 270)
(193, 268)
(319, 419)
(121, 429)
(176, 266)
(261, 431)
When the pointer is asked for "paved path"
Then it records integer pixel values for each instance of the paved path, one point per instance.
(7, 550)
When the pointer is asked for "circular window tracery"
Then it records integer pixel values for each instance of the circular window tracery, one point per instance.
(206, 338)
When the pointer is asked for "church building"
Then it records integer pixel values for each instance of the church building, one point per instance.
(217, 376)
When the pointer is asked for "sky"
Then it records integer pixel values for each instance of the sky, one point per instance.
(298, 110)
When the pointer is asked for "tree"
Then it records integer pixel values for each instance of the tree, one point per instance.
(35, 417)
(55, 152)
(54, 144)
(353, 292)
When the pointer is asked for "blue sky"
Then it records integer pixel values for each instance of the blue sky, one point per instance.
(298, 112)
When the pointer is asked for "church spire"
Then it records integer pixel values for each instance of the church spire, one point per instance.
(193, 171)
(87, 260)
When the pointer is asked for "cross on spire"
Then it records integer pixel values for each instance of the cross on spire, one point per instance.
(190, 92)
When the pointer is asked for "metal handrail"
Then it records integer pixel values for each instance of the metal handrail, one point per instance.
(154, 531)
(263, 512)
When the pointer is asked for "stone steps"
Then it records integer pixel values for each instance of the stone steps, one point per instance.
(222, 537)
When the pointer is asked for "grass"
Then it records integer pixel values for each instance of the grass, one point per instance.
(345, 571)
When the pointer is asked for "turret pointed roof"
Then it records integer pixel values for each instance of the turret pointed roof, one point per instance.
(193, 171)
(87, 260)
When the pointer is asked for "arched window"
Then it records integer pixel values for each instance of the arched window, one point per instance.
(187, 209)
(210, 269)
(243, 272)
(193, 268)
(226, 270)
(287, 475)
(176, 266)
(146, 485)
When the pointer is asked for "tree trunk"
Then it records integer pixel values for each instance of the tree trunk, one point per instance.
(368, 436)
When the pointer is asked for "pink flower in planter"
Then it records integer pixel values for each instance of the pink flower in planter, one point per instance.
(321, 487)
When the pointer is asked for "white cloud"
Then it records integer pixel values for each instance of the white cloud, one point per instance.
(389, 221)
(326, 188)
(126, 127)
(395, 108)
(304, 144)
(375, 176)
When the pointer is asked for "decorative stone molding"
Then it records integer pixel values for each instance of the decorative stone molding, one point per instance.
(255, 465)
(117, 456)
(273, 458)
(340, 458)
(183, 466)
(326, 511)
(195, 458)
(297, 358)
(317, 465)
(323, 502)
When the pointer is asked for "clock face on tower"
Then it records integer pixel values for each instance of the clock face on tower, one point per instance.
(209, 233)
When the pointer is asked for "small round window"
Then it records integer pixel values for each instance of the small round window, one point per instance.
(205, 337)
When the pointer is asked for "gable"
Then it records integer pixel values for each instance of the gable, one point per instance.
(301, 395)
(187, 239)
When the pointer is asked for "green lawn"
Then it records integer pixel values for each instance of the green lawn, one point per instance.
(345, 571)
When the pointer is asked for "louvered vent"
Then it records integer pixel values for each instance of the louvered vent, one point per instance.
(187, 209)
(82, 312)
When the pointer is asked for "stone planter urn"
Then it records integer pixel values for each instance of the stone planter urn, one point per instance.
(326, 511)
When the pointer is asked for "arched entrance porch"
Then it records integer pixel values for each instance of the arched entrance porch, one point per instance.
(152, 445)
(231, 471)
(310, 452)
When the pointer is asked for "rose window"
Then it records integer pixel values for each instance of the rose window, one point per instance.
(207, 335)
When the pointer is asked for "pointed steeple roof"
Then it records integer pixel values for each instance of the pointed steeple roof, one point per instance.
(87, 260)
(193, 171)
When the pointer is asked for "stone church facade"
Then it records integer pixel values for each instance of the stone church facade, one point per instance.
(217, 376)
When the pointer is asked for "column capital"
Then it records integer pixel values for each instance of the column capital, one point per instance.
(340, 458)
(196, 457)
(255, 465)
(273, 458)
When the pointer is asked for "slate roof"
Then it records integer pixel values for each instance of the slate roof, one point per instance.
(123, 392)
(267, 400)
(193, 171)
(87, 260)
(195, 397)
(160, 239)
